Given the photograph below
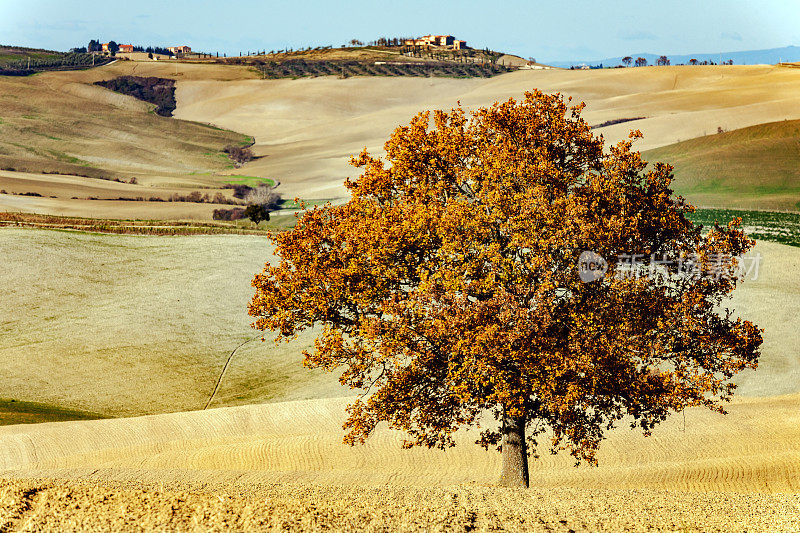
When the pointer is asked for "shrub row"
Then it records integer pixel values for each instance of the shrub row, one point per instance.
(136, 227)
(616, 121)
(236, 213)
(298, 68)
(195, 197)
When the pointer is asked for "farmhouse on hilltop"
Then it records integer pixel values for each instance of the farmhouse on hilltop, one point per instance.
(445, 41)
(180, 50)
(125, 48)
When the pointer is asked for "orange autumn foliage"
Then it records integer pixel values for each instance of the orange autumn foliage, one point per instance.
(448, 286)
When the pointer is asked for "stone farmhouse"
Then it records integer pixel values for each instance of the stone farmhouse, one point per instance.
(442, 41)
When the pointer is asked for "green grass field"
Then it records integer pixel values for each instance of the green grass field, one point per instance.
(760, 225)
(750, 168)
(252, 181)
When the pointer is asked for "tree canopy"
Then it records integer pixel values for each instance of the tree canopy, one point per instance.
(449, 286)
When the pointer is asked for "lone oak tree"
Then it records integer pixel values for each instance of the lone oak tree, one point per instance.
(448, 287)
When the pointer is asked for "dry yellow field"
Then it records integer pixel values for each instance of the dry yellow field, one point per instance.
(135, 325)
(140, 327)
(305, 130)
(308, 128)
(150, 321)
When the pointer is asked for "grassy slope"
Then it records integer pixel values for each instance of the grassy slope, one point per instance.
(779, 227)
(756, 167)
(16, 53)
(59, 123)
(56, 122)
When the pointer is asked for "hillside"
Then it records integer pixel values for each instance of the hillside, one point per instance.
(307, 129)
(363, 54)
(19, 53)
(63, 137)
(115, 343)
(59, 122)
(755, 168)
(20, 61)
(59, 129)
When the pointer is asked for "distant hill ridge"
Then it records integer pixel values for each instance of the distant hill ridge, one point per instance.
(768, 56)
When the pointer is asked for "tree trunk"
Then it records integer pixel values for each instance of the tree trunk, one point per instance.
(514, 450)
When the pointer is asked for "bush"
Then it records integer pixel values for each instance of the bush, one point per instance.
(257, 213)
(236, 213)
(263, 195)
(239, 191)
(239, 154)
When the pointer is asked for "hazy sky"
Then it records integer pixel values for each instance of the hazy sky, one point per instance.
(557, 30)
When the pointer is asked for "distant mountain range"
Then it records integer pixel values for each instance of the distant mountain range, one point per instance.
(746, 57)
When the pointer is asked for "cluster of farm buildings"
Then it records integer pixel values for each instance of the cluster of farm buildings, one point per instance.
(444, 41)
(177, 51)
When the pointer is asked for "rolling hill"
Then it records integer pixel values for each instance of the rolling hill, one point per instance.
(62, 136)
(19, 53)
(141, 327)
(305, 130)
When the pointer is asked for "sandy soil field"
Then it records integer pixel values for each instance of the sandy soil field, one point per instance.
(46, 505)
(136, 350)
(135, 325)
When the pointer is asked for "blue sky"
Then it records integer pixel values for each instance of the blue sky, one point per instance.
(561, 30)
